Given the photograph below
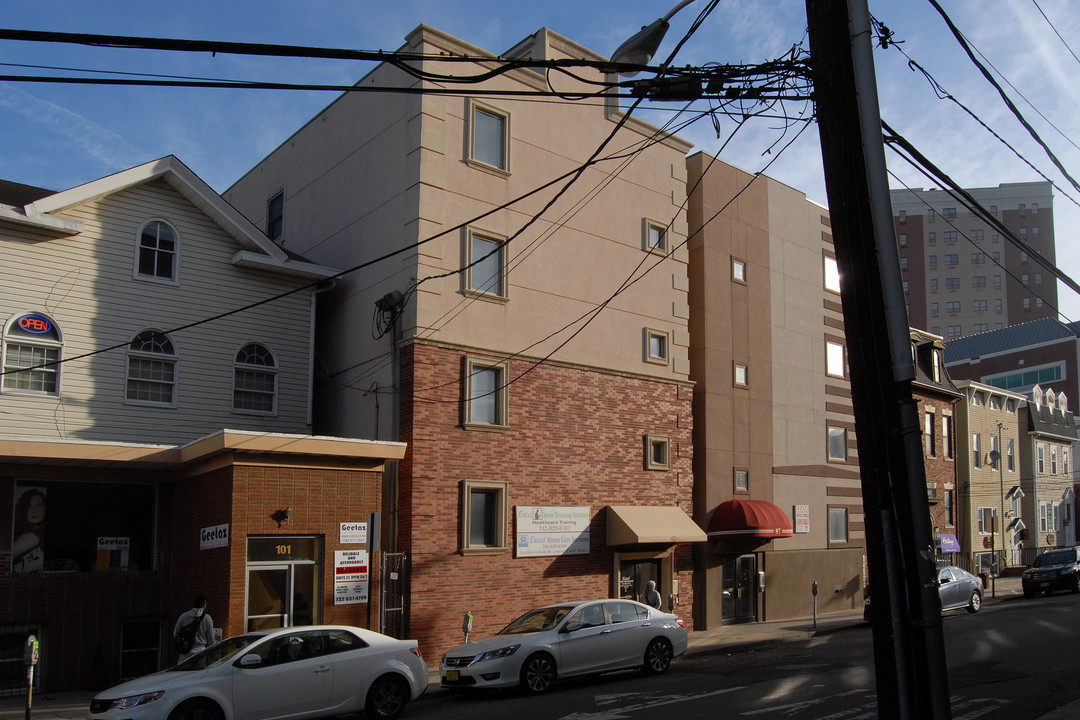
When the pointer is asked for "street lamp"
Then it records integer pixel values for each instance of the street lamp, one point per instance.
(642, 45)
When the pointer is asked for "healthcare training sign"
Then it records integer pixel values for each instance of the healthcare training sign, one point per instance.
(544, 531)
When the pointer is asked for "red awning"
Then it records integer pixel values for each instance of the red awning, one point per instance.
(749, 518)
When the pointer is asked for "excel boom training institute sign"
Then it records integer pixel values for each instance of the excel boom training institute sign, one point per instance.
(552, 530)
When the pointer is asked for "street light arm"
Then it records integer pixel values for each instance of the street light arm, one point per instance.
(642, 45)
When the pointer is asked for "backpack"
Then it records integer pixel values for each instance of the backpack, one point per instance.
(185, 639)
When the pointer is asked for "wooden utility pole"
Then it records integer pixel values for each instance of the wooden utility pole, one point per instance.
(909, 648)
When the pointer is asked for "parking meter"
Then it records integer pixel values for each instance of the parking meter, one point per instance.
(466, 625)
(31, 651)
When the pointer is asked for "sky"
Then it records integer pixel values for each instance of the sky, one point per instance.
(57, 136)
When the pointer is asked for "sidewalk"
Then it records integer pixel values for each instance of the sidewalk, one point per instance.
(726, 639)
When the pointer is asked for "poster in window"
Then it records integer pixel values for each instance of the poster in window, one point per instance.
(28, 530)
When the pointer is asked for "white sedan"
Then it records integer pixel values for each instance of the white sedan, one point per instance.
(298, 672)
(565, 640)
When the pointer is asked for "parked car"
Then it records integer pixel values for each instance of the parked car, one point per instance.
(299, 672)
(1053, 570)
(956, 588)
(564, 640)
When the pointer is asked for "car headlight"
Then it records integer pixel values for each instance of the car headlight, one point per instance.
(137, 700)
(1068, 570)
(500, 653)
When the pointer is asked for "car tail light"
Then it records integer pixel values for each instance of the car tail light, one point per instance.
(681, 623)
(416, 651)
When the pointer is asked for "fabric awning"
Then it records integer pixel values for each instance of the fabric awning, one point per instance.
(749, 518)
(640, 524)
(948, 543)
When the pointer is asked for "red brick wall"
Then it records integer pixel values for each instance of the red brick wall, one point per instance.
(575, 438)
(940, 470)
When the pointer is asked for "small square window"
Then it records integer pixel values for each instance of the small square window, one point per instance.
(489, 133)
(654, 237)
(740, 376)
(838, 444)
(486, 394)
(657, 452)
(656, 347)
(483, 516)
(742, 480)
(738, 270)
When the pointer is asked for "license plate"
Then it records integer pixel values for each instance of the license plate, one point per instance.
(453, 675)
(1045, 584)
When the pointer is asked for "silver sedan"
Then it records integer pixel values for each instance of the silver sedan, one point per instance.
(577, 638)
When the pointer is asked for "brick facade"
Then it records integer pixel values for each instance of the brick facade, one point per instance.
(575, 438)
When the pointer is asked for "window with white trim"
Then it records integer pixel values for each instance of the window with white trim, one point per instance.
(483, 516)
(485, 394)
(986, 519)
(255, 380)
(486, 265)
(946, 436)
(489, 137)
(740, 375)
(32, 352)
(156, 255)
(654, 236)
(657, 452)
(151, 369)
(738, 270)
(656, 346)
(742, 480)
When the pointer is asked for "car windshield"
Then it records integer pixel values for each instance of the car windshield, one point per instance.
(537, 620)
(1060, 557)
(217, 654)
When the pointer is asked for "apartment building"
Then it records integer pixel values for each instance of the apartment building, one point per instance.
(1047, 471)
(776, 473)
(153, 448)
(530, 344)
(962, 275)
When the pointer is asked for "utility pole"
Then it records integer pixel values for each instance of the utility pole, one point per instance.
(909, 647)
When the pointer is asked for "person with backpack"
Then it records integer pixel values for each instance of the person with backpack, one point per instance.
(194, 630)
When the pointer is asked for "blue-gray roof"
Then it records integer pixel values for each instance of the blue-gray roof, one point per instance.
(1013, 337)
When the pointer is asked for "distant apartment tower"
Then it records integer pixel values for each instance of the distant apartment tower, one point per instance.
(961, 274)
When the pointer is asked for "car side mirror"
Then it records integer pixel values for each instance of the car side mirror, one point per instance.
(942, 581)
(251, 660)
(571, 627)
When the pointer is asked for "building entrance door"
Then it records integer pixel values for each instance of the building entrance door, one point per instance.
(739, 602)
(282, 593)
(634, 574)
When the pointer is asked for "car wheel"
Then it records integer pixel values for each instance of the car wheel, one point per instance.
(1076, 583)
(196, 710)
(657, 656)
(1029, 593)
(975, 603)
(537, 673)
(387, 698)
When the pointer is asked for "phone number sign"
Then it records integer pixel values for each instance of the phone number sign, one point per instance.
(350, 577)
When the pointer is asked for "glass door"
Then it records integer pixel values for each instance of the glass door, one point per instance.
(282, 582)
(268, 591)
(739, 601)
(635, 574)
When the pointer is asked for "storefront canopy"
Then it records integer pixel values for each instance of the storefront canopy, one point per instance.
(948, 543)
(749, 518)
(642, 524)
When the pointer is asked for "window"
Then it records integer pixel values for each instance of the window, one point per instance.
(1023, 210)
(1010, 455)
(1046, 517)
(486, 274)
(986, 519)
(486, 393)
(742, 480)
(953, 331)
(489, 137)
(1053, 461)
(934, 309)
(997, 281)
(996, 256)
(978, 281)
(151, 369)
(995, 454)
(950, 518)
(946, 436)
(1023, 257)
(1064, 461)
(32, 349)
(903, 216)
(838, 525)
(903, 240)
(931, 238)
(657, 452)
(255, 380)
(930, 215)
(976, 450)
(1038, 302)
(929, 444)
(1038, 278)
(949, 236)
(952, 307)
(740, 375)
(935, 368)
(993, 210)
(1027, 303)
(1034, 208)
(903, 263)
(980, 328)
(834, 359)
(738, 270)
(1024, 278)
(976, 235)
(832, 275)
(275, 216)
(654, 237)
(952, 283)
(1042, 459)
(1035, 230)
(933, 284)
(483, 516)
(978, 305)
(952, 260)
(837, 444)
(933, 261)
(157, 252)
(656, 346)
(978, 258)
(948, 213)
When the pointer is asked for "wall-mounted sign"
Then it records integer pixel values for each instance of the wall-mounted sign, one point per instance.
(350, 577)
(35, 324)
(112, 553)
(802, 518)
(545, 531)
(214, 537)
(353, 532)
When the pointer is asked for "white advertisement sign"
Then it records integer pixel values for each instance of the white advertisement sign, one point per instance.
(214, 537)
(112, 553)
(546, 531)
(802, 518)
(354, 533)
(350, 577)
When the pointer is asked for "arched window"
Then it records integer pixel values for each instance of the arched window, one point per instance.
(157, 252)
(151, 369)
(32, 351)
(255, 380)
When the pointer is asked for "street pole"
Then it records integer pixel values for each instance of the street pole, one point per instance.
(909, 648)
